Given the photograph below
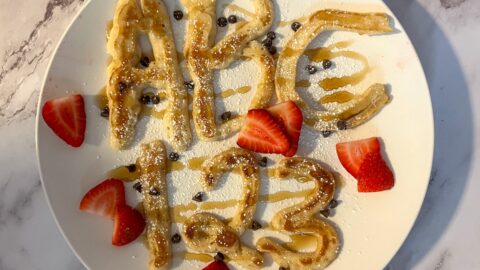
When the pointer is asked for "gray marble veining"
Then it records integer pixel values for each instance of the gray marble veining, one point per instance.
(445, 34)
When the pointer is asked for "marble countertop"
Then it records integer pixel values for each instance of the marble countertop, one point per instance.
(445, 33)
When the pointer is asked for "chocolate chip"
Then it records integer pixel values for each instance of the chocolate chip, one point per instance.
(219, 256)
(342, 125)
(326, 64)
(145, 61)
(325, 213)
(311, 69)
(296, 26)
(173, 156)
(332, 204)
(222, 22)
(198, 197)
(256, 225)
(178, 15)
(271, 35)
(105, 112)
(267, 43)
(232, 19)
(326, 133)
(154, 191)
(263, 162)
(155, 99)
(137, 186)
(145, 99)
(122, 87)
(132, 168)
(190, 85)
(272, 50)
(226, 116)
(282, 268)
(176, 238)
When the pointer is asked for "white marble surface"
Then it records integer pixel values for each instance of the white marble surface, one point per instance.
(446, 36)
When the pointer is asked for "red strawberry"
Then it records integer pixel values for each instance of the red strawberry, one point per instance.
(261, 133)
(352, 154)
(374, 174)
(128, 225)
(104, 198)
(216, 265)
(66, 117)
(291, 117)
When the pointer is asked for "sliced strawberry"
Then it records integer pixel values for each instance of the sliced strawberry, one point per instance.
(66, 117)
(291, 117)
(128, 225)
(261, 133)
(104, 198)
(374, 174)
(216, 265)
(352, 154)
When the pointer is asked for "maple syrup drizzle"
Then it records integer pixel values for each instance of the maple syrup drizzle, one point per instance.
(101, 100)
(122, 173)
(339, 97)
(194, 256)
(195, 164)
(231, 92)
(174, 166)
(180, 57)
(327, 53)
(303, 83)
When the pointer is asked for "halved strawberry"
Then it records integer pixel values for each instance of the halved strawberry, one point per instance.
(216, 265)
(374, 174)
(261, 133)
(66, 117)
(352, 154)
(104, 198)
(291, 117)
(128, 225)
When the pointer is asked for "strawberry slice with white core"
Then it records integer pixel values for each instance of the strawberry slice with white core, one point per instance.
(261, 133)
(291, 117)
(352, 154)
(66, 117)
(128, 225)
(104, 198)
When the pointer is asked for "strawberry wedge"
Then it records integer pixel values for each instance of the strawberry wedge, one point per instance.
(364, 161)
(351, 154)
(66, 117)
(291, 118)
(103, 199)
(128, 225)
(261, 133)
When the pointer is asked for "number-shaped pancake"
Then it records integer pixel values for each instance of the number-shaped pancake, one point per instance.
(152, 162)
(205, 232)
(363, 107)
(203, 56)
(301, 219)
(126, 79)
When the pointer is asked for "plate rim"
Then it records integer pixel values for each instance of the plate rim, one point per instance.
(422, 75)
(37, 122)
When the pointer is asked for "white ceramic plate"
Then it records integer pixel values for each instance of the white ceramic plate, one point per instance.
(372, 226)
